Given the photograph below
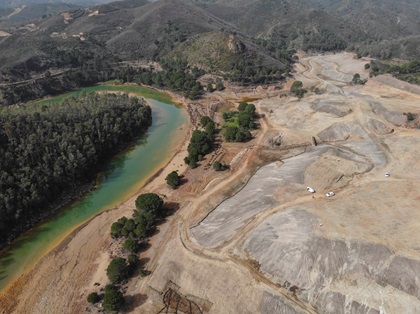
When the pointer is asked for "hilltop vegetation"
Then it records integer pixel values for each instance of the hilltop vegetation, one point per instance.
(87, 46)
(47, 151)
(249, 42)
(409, 71)
(381, 29)
(226, 54)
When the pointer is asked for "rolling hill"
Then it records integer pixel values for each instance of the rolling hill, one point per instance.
(381, 29)
(250, 41)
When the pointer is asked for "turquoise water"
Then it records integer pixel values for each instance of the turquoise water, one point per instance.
(123, 178)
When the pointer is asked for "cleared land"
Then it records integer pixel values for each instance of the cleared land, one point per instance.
(251, 239)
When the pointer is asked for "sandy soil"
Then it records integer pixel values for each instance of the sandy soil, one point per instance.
(227, 249)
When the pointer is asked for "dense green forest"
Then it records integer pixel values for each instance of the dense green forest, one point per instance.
(176, 76)
(48, 151)
(85, 71)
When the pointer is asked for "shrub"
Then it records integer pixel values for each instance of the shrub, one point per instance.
(131, 246)
(173, 179)
(297, 89)
(93, 298)
(410, 116)
(217, 165)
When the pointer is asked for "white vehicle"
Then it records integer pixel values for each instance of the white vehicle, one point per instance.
(387, 174)
(329, 194)
(310, 190)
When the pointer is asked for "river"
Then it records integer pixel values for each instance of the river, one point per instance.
(124, 177)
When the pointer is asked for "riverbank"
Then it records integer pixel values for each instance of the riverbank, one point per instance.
(170, 152)
(65, 200)
(78, 256)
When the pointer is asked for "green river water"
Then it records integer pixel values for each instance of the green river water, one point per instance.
(125, 175)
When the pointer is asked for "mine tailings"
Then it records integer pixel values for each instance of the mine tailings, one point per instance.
(124, 176)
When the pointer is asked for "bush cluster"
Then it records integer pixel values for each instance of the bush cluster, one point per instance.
(297, 89)
(245, 117)
(201, 142)
(149, 208)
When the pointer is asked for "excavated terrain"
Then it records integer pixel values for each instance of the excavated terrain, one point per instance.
(272, 247)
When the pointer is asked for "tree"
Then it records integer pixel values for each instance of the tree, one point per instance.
(193, 164)
(116, 229)
(131, 245)
(200, 144)
(133, 260)
(242, 106)
(245, 119)
(250, 108)
(242, 135)
(230, 133)
(173, 179)
(210, 128)
(204, 120)
(93, 298)
(149, 202)
(113, 299)
(217, 165)
(117, 270)
(146, 223)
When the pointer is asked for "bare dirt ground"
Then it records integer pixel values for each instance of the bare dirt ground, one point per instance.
(251, 239)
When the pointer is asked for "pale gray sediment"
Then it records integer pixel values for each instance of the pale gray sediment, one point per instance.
(255, 197)
(291, 254)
